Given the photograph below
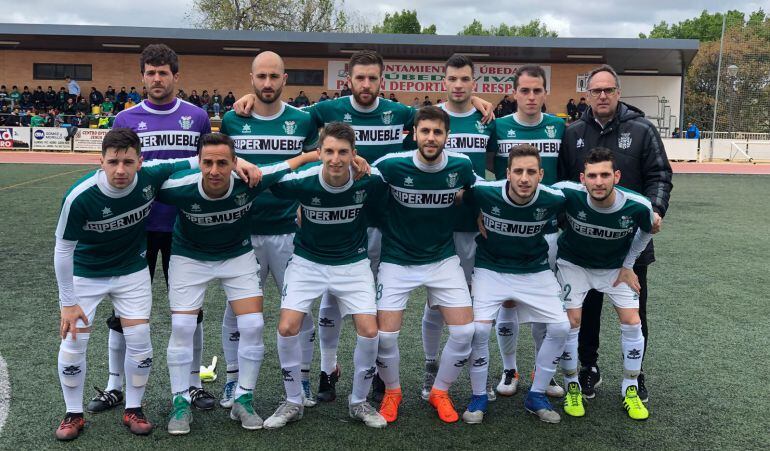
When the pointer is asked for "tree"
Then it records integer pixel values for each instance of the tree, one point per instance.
(533, 29)
(275, 15)
(706, 27)
(404, 22)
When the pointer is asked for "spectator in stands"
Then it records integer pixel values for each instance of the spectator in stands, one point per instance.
(507, 105)
(324, 96)
(50, 118)
(144, 92)
(301, 100)
(582, 106)
(393, 98)
(382, 95)
(110, 92)
(3, 94)
(134, 96)
(24, 117)
(15, 95)
(83, 106)
(181, 94)
(36, 119)
(416, 102)
(427, 102)
(73, 88)
(216, 103)
(676, 133)
(26, 98)
(50, 97)
(205, 101)
(120, 100)
(499, 110)
(336, 95)
(229, 101)
(95, 97)
(346, 91)
(12, 120)
(61, 98)
(290, 101)
(38, 98)
(4, 113)
(70, 107)
(194, 98)
(572, 110)
(692, 131)
(107, 105)
(106, 120)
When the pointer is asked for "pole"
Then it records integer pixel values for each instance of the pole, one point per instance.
(716, 96)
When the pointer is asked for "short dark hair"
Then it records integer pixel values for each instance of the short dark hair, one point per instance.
(431, 113)
(532, 70)
(604, 68)
(458, 61)
(339, 130)
(599, 155)
(523, 150)
(216, 139)
(121, 138)
(159, 55)
(366, 58)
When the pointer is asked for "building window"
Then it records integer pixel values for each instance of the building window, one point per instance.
(54, 71)
(305, 77)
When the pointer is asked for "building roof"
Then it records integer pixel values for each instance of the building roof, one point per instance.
(630, 56)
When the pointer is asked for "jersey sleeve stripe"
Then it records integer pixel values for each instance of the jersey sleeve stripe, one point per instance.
(67, 204)
(186, 180)
(312, 172)
(273, 168)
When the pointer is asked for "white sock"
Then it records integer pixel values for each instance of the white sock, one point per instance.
(138, 363)
(179, 355)
(307, 342)
(197, 356)
(632, 343)
(388, 359)
(454, 356)
(290, 354)
(538, 335)
(117, 356)
(329, 328)
(230, 339)
(432, 326)
(364, 357)
(569, 358)
(72, 370)
(479, 369)
(508, 336)
(251, 351)
(549, 355)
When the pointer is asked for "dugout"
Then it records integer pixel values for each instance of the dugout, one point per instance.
(652, 70)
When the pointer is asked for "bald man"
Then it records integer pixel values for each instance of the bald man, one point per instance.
(274, 131)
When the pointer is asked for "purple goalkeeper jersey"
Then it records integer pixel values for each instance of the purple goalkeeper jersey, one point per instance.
(166, 132)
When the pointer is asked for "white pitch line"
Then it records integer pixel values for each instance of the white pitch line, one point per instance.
(5, 392)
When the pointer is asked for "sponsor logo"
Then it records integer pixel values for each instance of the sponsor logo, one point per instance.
(289, 127)
(148, 192)
(512, 228)
(315, 201)
(595, 231)
(461, 363)
(120, 221)
(186, 122)
(624, 142)
(408, 181)
(325, 322)
(580, 143)
(71, 370)
(338, 215)
(146, 363)
(496, 211)
(106, 212)
(634, 354)
(195, 207)
(380, 364)
(218, 217)
(347, 118)
(424, 198)
(582, 215)
(511, 133)
(481, 361)
(566, 356)
(141, 126)
(235, 336)
(369, 373)
(287, 375)
(504, 332)
(246, 128)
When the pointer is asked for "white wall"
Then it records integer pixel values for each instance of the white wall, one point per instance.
(635, 88)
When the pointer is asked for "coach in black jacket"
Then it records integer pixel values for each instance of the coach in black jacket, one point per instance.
(644, 168)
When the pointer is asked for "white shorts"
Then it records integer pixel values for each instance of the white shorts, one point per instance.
(553, 247)
(444, 280)
(188, 278)
(375, 247)
(352, 285)
(131, 295)
(576, 281)
(465, 246)
(537, 296)
(273, 253)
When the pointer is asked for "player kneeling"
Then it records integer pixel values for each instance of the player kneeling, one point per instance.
(211, 242)
(329, 257)
(608, 227)
(512, 265)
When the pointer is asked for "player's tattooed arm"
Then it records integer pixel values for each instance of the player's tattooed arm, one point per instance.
(244, 105)
(486, 109)
(248, 172)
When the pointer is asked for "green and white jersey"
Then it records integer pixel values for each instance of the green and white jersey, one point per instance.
(333, 229)
(469, 136)
(109, 223)
(420, 213)
(546, 136)
(515, 242)
(265, 140)
(214, 229)
(600, 238)
(379, 128)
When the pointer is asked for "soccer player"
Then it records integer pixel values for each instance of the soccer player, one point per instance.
(470, 136)
(379, 125)
(168, 127)
(607, 229)
(100, 245)
(512, 264)
(211, 242)
(527, 125)
(273, 132)
(330, 256)
(418, 250)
